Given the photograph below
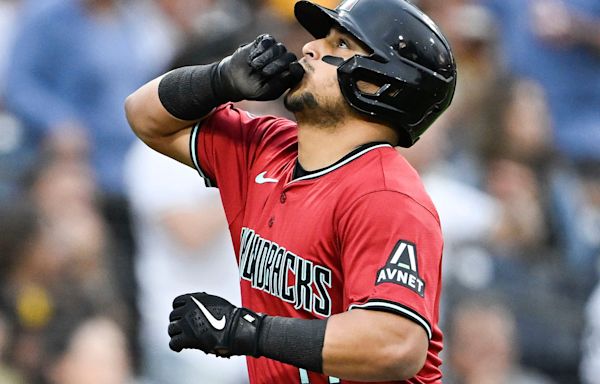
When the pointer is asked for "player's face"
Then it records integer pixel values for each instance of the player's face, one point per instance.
(318, 94)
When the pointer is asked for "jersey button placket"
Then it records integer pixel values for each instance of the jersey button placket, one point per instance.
(282, 198)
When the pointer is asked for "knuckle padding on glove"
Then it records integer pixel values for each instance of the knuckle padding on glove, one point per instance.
(176, 343)
(176, 314)
(279, 65)
(268, 56)
(260, 45)
(180, 301)
(174, 329)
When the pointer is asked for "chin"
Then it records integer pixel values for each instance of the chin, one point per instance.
(290, 101)
(300, 100)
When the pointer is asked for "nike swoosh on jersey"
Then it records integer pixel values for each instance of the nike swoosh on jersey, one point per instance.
(261, 179)
(218, 324)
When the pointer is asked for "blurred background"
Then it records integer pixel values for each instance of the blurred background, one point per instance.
(98, 233)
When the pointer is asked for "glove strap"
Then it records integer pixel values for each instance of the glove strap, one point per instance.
(222, 85)
(243, 335)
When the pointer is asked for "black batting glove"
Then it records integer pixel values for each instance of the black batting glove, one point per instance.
(261, 70)
(213, 325)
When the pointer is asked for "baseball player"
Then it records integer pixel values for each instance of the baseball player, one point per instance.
(338, 245)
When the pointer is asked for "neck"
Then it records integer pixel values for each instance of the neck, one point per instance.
(319, 147)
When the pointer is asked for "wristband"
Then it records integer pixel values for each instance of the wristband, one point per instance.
(187, 93)
(298, 342)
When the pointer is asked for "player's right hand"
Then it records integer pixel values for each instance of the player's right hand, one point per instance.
(257, 71)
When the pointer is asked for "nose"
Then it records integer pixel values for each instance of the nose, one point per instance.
(311, 49)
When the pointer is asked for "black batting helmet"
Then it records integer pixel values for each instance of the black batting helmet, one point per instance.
(411, 61)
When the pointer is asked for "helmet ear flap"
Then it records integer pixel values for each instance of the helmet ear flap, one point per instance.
(378, 100)
(405, 97)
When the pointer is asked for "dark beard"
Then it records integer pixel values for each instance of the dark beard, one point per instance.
(305, 100)
(309, 110)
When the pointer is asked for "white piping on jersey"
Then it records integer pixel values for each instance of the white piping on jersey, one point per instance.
(340, 164)
(397, 308)
(193, 146)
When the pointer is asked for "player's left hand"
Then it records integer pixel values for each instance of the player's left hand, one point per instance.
(213, 325)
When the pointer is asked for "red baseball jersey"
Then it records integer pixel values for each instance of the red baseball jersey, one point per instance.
(361, 233)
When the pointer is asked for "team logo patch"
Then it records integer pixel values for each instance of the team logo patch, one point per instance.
(402, 269)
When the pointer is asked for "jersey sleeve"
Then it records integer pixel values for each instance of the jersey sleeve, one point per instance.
(226, 144)
(391, 257)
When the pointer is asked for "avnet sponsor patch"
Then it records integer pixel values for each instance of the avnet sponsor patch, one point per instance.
(402, 268)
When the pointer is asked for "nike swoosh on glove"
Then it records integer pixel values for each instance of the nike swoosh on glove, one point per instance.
(213, 325)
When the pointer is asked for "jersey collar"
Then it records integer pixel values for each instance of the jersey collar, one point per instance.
(356, 153)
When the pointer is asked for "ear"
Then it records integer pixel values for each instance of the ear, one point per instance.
(366, 87)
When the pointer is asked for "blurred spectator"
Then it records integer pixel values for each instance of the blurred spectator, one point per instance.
(9, 10)
(183, 246)
(482, 346)
(590, 362)
(520, 126)
(54, 259)
(8, 375)
(523, 228)
(521, 131)
(76, 61)
(588, 218)
(576, 203)
(65, 194)
(73, 64)
(528, 269)
(11, 131)
(472, 32)
(209, 30)
(208, 19)
(557, 43)
(28, 267)
(90, 350)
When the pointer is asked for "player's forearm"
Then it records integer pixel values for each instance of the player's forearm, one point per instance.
(367, 345)
(159, 110)
(358, 345)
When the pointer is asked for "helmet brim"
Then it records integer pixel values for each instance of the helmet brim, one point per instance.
(318, 21)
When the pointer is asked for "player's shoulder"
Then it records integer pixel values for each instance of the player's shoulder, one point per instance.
(268, 138)
(388, 172)
(231, 112)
